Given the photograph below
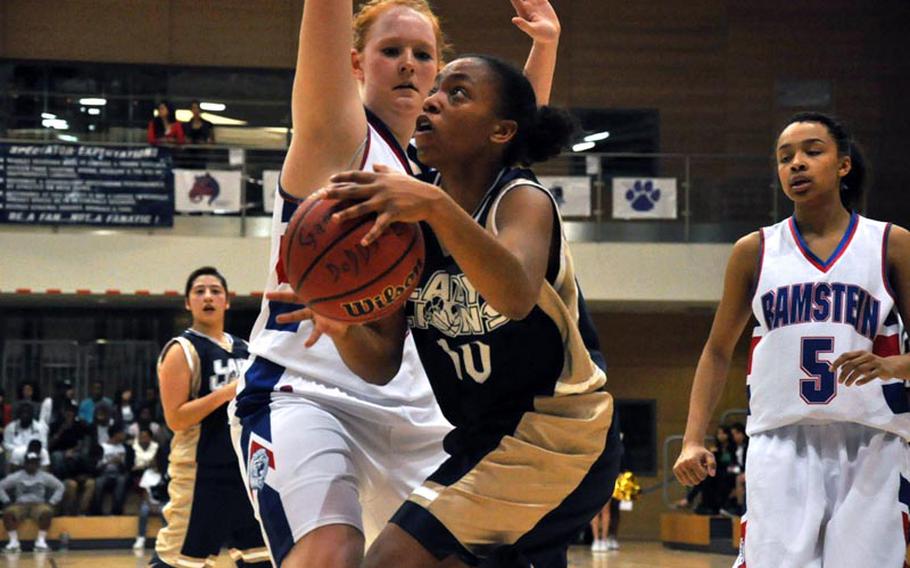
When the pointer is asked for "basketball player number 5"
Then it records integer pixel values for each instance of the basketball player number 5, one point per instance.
(821, 388)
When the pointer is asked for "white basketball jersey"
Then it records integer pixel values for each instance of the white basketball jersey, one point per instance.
(321, 365)
(809, 312)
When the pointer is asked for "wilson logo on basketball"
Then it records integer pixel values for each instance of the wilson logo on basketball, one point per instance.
(364, 306)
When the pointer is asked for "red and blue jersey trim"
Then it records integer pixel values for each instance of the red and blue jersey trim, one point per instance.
(885, 275)
(390, 139)
(824, 265)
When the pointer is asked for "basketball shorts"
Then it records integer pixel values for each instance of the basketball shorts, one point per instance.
(522, 502)
(311, 460)
(208, 510)
(832, 496)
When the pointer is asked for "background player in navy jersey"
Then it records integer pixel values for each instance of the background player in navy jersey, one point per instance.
(827, 467)
(197, 375)
(328, 457)
(496, 322)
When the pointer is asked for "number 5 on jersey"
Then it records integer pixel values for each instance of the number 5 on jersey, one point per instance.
(821, 388)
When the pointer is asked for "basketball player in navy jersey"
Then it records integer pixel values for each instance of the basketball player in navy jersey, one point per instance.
(495, 319)
(827, 476)
(197, 374)
(328, 457)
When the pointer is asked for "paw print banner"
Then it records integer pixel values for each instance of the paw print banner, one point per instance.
(207, 191)
(644, 198)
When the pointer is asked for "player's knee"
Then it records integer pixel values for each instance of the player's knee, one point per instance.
(394, 547)
(331, 546)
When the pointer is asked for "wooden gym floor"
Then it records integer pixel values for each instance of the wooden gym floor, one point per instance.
(632, 555)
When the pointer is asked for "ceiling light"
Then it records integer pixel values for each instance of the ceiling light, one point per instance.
(222, 120)
(597, 136)
(215, 107)
(67, 138)
(582, 146)
(55, 123)
(93, 101)
(94, 111)
(48, 115)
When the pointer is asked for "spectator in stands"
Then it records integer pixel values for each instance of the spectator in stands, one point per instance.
(103, 422)
(199, 130)
(114, 466)
(96, 396)
(165, 128)
(52, 406)
(17, 459)
(124, 407)
(152, 401)
(737, 506)
(715, 491)
(30, 486)
(70, 449)
(153, 486)
(144, 422)
(145, 448)
(28, 390)
(6, 409)
(18, 434)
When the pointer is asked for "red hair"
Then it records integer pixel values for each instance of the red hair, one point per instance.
(371, 10)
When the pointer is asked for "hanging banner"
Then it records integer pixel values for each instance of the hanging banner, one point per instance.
(207, 191)
(572, 194)
(269, 189)
(644, 198)
(72, 184)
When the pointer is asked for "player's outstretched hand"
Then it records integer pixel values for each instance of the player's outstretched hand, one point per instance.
(538, 19)
(860, 367)
(321, 325)
(694, 464)
(392, 196)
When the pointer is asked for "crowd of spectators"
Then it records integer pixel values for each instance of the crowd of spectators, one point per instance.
(74, 456)
(725, 492)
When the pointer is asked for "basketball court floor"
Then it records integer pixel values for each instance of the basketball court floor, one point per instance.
(632, 555)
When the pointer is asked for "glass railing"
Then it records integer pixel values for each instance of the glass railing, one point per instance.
(718, 198)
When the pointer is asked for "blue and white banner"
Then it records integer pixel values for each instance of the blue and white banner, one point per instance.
(207, 191)
(72, 184)
(644, 198)
(572, 194)
(269, 189)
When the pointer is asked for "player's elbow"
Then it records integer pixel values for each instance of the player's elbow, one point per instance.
(517, 306)
(176, 424)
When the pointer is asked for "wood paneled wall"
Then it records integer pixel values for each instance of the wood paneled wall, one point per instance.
(653, 356)
(708, 66)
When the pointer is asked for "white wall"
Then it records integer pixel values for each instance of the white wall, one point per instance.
(158, 261)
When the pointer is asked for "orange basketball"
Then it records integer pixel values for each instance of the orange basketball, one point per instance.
(342, 280)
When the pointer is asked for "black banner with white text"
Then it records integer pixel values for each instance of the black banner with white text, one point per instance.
(70, 184)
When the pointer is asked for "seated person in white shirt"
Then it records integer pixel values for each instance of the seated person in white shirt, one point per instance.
(23, 430)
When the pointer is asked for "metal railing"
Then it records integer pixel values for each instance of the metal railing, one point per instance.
(720, 197)
(118, 364)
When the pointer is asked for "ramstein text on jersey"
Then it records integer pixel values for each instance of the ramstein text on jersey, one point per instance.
(822, 302)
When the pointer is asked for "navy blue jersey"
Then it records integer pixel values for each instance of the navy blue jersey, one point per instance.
(486, 370)
(213, 365)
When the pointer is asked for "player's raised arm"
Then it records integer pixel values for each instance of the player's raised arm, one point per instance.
(538, 19)
(326, 111)
(695, 462)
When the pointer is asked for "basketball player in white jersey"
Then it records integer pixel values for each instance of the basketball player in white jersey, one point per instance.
(827, 478)
(328, 458)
